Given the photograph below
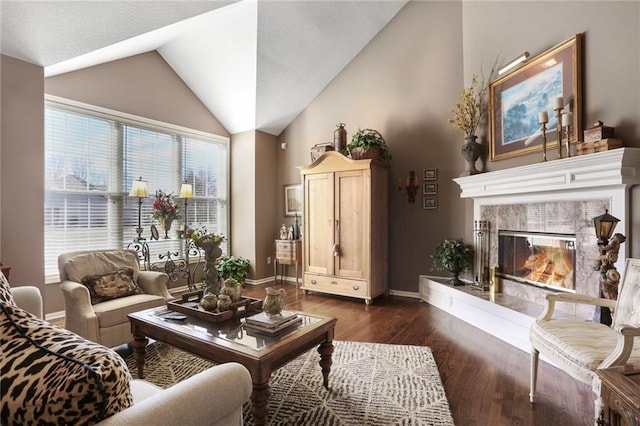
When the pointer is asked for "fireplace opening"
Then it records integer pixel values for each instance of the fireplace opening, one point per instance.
(541, 259)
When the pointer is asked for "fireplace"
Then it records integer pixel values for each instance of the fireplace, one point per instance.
(541, 259)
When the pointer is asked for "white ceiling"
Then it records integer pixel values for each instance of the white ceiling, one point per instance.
(253, 64)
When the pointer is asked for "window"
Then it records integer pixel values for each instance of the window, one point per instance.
(92, 156)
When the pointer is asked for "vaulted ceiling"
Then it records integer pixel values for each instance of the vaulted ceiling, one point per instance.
(253, 64)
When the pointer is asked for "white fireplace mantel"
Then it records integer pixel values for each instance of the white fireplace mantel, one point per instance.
(610, 175)
(618, 168)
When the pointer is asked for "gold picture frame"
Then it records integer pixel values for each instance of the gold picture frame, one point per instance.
(293, 200)
(516, 99)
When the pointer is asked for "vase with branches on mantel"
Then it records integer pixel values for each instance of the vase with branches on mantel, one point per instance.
(467, 115)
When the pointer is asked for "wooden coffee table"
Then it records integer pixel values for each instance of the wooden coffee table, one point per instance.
(228, 341)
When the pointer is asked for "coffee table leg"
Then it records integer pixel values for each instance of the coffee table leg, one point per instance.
(139, 345)
(259, 400)
(326, 350)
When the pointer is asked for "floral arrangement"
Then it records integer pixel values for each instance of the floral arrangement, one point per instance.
(468, 111)
(201, 235)
(164, 207)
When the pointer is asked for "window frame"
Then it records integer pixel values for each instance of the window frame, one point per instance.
(174, 130)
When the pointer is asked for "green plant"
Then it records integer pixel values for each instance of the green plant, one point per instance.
(235, 267)
(452, 252)
(365, 139)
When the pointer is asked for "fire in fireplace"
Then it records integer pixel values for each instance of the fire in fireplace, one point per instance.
(542, 259)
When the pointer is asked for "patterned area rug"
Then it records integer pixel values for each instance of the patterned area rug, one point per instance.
(369, 384)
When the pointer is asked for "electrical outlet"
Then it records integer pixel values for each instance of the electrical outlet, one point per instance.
(268, 260)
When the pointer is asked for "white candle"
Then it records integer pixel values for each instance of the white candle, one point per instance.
(567, 119)
(543, 117)
(558, 103)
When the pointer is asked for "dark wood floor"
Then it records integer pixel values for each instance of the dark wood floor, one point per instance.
(486, 380)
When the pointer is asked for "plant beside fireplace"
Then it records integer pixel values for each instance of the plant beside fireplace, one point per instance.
(455, 257)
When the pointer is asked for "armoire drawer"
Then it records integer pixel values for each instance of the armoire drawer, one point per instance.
(335, 285)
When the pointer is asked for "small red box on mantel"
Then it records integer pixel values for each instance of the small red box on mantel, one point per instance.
(598, 132)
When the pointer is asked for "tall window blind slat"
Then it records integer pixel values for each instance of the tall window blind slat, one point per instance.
(91, 162)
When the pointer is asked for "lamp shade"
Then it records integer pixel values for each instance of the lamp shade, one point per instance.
(186, 191)
(139, 189)
(605, 225)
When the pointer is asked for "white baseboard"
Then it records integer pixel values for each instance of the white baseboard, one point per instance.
(401, 293)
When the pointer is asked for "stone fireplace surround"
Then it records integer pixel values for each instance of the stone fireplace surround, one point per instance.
(559, 196)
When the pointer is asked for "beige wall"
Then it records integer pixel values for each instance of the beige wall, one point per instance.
(243, 208)
(407, 80)
(142, 85)
(22, 171)
(253, 212)
(266, 197)
(611, 75)
(402, 84)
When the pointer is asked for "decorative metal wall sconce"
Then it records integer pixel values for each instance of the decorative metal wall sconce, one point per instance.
(609, 245)
(481, 249)
(411, 187)
(139, 189)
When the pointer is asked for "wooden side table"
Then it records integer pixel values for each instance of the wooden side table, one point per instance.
(621, 397)
(288, 252)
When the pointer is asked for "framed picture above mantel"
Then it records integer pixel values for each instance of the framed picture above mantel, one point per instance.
(517, 98)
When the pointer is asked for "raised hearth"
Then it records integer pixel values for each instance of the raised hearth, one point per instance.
(559, 196)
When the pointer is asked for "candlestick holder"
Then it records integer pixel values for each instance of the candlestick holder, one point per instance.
(544, 140)
(568, 130)
(559, 128)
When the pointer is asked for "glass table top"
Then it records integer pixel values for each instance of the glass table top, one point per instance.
(231, 330)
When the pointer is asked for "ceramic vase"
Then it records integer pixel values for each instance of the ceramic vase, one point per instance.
(224, 302)
(471, 152)
(209, 302)
(165, 224)
(233, 289)
(274, 302)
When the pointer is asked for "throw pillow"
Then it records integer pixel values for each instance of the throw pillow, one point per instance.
(111, 286)
(5, 294)
(50, 375)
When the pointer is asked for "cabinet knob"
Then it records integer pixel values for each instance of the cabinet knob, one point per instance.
(314, 282)
(356, 287)
(334, 283)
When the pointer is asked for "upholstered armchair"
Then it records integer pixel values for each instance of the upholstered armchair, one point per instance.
(98, 309)
(580, 347)
(213, 397)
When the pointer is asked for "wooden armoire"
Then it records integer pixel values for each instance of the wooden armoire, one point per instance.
(345, 227)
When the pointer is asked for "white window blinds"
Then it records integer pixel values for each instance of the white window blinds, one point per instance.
(91, 160)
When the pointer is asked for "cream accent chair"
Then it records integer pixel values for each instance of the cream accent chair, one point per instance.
(213, 397)
(581, 347)
(106, 323)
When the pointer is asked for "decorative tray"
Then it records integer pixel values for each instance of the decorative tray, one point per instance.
(189, 305)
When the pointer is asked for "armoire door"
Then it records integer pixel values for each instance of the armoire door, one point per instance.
(318, 223)
(352, 222)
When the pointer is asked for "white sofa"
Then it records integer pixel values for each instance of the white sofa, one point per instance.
(213, 397)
